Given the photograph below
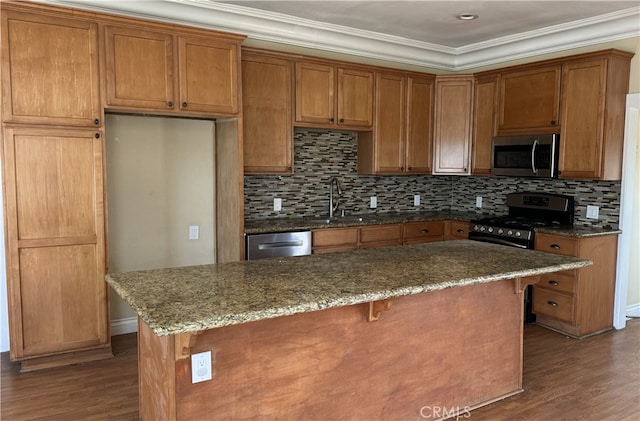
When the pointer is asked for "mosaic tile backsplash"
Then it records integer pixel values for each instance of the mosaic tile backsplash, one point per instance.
(320, 155)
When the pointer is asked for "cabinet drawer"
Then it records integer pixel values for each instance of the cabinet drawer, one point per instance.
(423, 229)
(389, 234)
(553, 304)
(557, 282)
(459, 230)
(557, 245)
(335, 237)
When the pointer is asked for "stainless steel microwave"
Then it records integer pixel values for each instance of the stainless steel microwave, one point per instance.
(525, 156)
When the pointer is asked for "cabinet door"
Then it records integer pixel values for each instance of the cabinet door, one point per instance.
(390, 124)
(583, 101)
(55, 240)
(530, 100)
(423, 232)
(208, 75)
(50, 70)
(453, 125)
(139, 69)
(355, 98)
(315, 100)
(484, 127)
(267, 87)
(419, 134)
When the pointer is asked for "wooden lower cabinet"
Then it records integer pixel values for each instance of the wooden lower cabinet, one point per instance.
(54, 204)
(380, 236)
(457, 230)
(348, 239)
(578, 302)
(423, 232)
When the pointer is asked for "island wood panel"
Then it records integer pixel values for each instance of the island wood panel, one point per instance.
(451, 348)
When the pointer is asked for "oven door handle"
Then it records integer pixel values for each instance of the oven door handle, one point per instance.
(498, 241)
(533, 157)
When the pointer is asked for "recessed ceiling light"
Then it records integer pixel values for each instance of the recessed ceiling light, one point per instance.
(467, 16)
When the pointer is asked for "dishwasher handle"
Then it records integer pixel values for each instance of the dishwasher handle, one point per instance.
(280, 244)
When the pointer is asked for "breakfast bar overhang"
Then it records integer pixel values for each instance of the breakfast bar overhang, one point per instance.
(410, 332)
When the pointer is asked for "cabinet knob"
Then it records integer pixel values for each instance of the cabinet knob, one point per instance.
(342, 120)
(554, 283)
(96, 121)
(331, 120)
(169, 103)
(97, 135)
(184, 104)
(408, 168)
(401, 168)
(464, 169)
(425, 231)
(555, 246)
(552, 303)
(553, 122)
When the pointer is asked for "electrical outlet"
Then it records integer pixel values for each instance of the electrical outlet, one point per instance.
(593, 212)
(416, 200)
(201, 367)
(194, 232)
(277, 204)
(478, 201)
(374, 202)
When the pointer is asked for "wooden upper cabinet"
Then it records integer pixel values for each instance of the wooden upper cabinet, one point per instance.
(140, 68)
(50, 70)
(484, 123)
(331, 96)
(55, 240)
(453, 111)
(267, 86)
(355, 97)
(389, 129)
(143, 72)
(419, 132)
(208, 75)
(529, 101)
(593, 109)
(401, 140)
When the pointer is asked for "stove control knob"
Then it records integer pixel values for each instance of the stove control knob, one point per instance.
(500, 230)
(482, 228)
(518, 233)
(509, 232)
(490, 229)
(476, 227)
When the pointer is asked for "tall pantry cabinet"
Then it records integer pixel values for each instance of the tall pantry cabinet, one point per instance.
(52, 163)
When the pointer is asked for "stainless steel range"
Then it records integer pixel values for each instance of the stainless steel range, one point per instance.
(527, 211)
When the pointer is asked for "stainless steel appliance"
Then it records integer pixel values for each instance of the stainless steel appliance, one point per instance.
(527, 211)
(278, 244)
(525, 156)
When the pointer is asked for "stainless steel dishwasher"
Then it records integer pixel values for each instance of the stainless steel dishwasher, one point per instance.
(278, 244)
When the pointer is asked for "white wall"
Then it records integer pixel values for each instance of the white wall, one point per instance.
(160, 180)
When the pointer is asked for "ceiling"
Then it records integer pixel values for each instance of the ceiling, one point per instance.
(418, 33)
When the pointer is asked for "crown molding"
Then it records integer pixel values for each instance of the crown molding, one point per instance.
(278, 28)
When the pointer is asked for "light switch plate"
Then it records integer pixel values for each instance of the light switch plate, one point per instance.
(201, 367)
(593, 212)
(277, 204)
(194, 232)
(416, 200)
(374, 202)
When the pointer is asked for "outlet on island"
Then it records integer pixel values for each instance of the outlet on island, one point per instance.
(373, 202)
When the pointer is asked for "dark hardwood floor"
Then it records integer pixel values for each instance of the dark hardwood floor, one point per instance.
(597, 378)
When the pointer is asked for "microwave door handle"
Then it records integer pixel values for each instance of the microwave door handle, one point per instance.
(533, 157)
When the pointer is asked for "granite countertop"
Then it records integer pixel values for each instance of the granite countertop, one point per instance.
(309, 223)
(195, 298)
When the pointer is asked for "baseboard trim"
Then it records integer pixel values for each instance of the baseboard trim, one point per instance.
(633, 310)
(124, 326)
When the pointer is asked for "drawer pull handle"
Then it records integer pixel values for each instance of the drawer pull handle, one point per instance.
(555, 246)
(425, 231)
(552, 303)
(460, 231)
(554, 283)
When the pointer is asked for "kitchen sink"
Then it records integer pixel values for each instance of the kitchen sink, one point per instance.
(344, 219)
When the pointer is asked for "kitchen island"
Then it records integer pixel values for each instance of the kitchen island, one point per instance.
(392, 333)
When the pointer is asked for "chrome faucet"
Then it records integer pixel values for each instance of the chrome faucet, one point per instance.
(334, 206)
